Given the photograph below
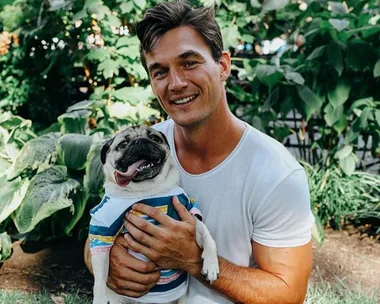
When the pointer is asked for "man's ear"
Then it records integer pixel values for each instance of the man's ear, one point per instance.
(225, 66)
(105, 150)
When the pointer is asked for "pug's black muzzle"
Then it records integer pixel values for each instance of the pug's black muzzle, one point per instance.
(142, 148)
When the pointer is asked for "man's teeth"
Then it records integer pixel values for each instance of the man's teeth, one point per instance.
(182, 101)
(144, 167)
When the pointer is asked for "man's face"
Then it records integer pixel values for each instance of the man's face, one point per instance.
(185, 78)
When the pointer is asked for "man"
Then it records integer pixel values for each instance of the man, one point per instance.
(252, 193)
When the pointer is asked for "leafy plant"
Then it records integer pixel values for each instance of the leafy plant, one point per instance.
(5, 246)
(338, 198)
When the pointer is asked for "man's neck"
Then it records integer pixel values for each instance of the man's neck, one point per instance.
(202, 147)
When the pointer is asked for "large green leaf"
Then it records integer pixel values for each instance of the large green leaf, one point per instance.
(318, 52)
(274, 5)
(230, 36)
(339, 24)
(334, 54)
(75, 122)
(376, 69)
(34, 153)
(5, 246)
(339, 95)
(311, 103)
(48, 192)
(269, 75)
(11, 195)
(332, 114)
(94, 179)
(73, 150)
(133, 95)
(348, 164)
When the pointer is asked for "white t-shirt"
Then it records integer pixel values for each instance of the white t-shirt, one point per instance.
(259, 192)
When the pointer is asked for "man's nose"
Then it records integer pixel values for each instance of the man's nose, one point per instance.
(177, 81)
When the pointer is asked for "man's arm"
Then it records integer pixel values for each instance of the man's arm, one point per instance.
(281, 278)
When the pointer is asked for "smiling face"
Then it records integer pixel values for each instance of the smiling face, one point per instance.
(186, 79)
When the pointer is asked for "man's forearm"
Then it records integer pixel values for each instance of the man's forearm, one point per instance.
(251, 285)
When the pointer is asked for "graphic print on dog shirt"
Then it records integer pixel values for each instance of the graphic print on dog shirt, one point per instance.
(106, 224)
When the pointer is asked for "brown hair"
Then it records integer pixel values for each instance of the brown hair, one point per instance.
(169, 15)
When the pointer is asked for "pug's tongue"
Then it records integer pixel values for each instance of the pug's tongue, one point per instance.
(123, 178)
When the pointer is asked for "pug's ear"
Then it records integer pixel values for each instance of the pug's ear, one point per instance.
(164, 138)
(105, 150)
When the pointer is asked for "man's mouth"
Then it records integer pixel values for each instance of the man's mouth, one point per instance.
(185, 100)
(139, 167)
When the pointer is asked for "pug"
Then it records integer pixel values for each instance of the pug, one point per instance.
(138, 167)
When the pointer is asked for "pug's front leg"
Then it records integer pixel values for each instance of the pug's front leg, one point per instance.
(100, 264)
(210, 268)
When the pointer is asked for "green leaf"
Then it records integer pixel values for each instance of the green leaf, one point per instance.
(69, 217)
(48, 192)
(133, 95)
(113, 20)
(376, 69)
(341, 124)
(80, 15)
(126, 7)
(230, 36)
(109, 67)
(348, 164)
(334, 54)
(11, 195)
(295, 77)
(255, 3)
(140, 3)
(268, 74)
(344, 152)
(332, 114)
(359, 103)
(130, 51)
(127, 41)
(311, 102)
(276, 5)
(364, 117)
(339, 24)
(377, 116)
(33, 154)
(94, 178)
(5, 246)
(337, 8)
(98, 54)
(75, 122)
(73, 150)
(318, 52)
(339, 95)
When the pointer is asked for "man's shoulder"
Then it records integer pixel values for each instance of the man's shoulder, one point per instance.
(269, 151)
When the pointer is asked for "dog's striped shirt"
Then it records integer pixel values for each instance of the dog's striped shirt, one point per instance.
(107, 222)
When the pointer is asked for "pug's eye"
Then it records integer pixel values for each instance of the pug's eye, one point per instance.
(122, 145)
(155, 137)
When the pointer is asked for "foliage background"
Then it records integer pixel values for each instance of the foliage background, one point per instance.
(70, 76)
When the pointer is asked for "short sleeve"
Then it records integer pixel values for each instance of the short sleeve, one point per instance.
(285, 218)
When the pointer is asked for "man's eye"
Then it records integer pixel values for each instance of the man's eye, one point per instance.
(189, 63)
(159, 73)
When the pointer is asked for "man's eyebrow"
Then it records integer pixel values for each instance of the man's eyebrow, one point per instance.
(181, 56)
(189, 54)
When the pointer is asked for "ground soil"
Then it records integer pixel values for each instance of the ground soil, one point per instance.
(58, 267)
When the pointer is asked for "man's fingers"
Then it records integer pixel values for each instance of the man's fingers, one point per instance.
(120, 259)
(142, 225)
(183, 213)
(135, 246)
(154, 213)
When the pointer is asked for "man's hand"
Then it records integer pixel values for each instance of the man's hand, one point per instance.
(170, 245)
(128, 275)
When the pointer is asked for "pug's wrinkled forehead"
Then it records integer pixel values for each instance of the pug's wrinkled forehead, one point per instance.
(133, 132)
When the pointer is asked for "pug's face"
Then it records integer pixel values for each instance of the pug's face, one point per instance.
(135, 154)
